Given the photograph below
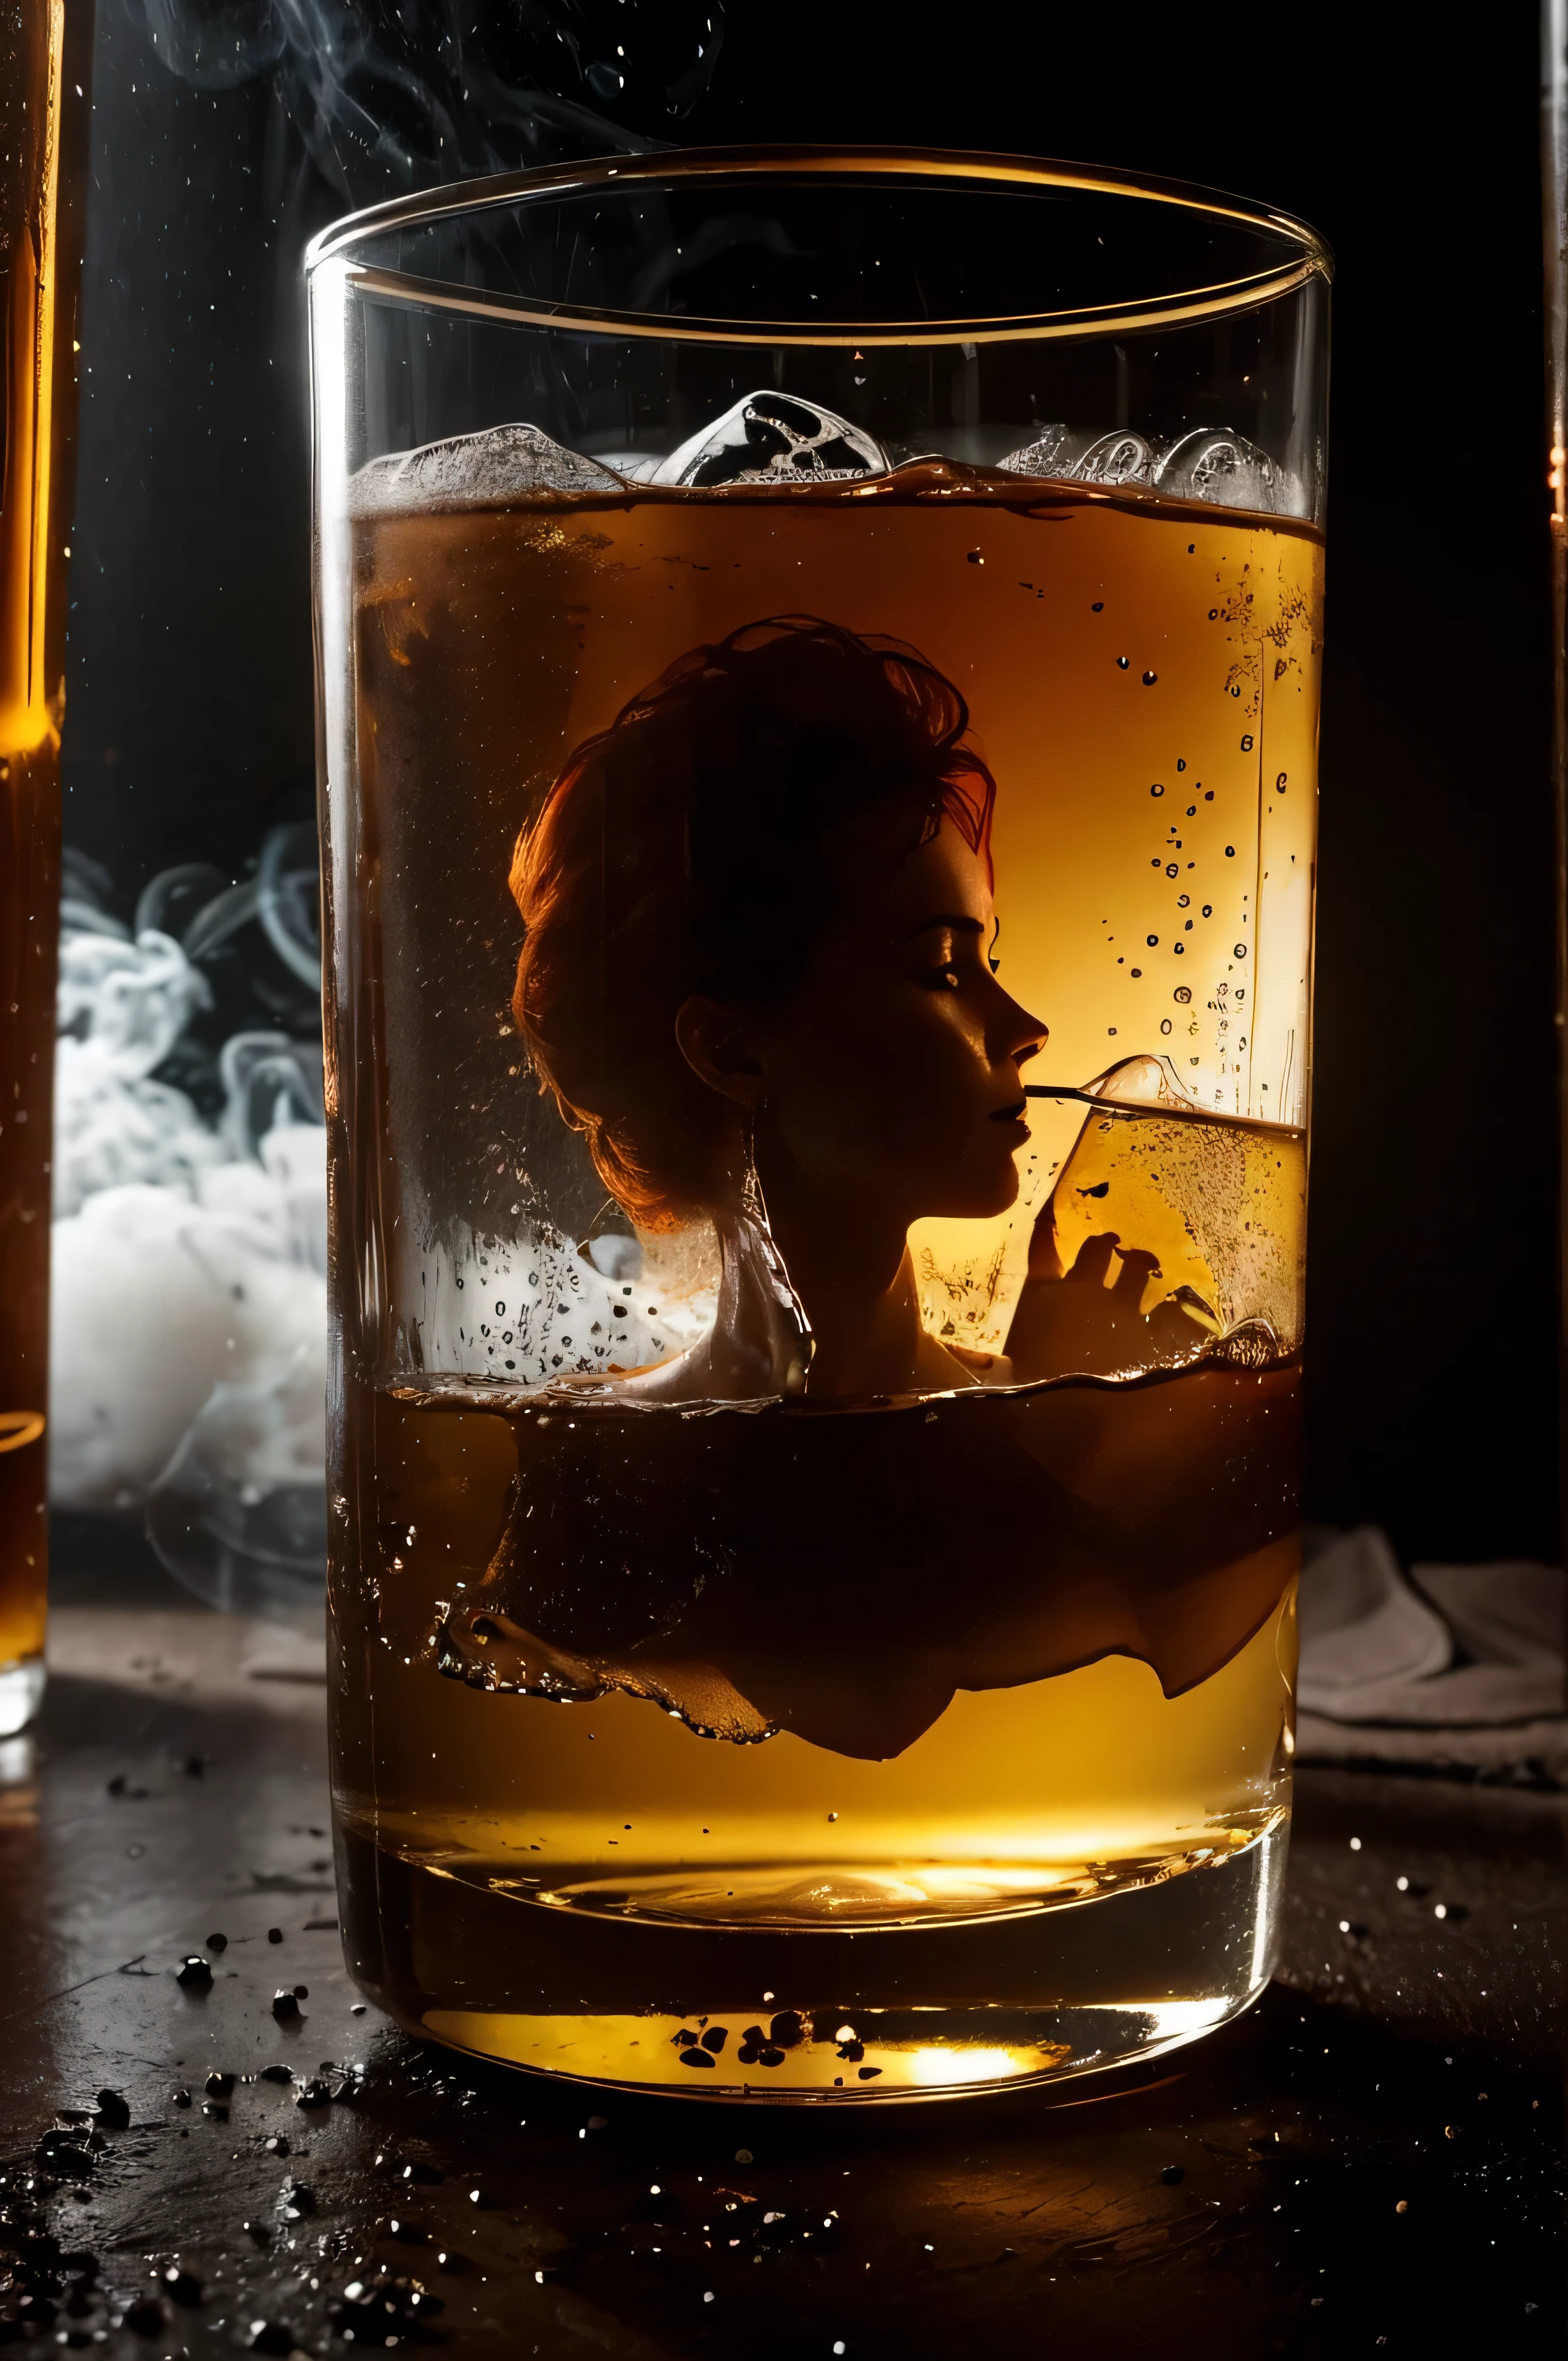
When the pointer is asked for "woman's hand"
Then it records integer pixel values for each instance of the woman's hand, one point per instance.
(1084, 1323)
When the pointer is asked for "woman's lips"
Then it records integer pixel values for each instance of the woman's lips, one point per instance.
(1014, 1115)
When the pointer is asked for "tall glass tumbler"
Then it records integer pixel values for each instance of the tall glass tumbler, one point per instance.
(45, 47)
(818, 713)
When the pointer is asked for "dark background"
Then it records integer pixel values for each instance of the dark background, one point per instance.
(1432, 1299)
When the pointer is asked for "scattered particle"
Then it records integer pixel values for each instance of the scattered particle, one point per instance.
(1403, 2206)
(274, 1934)
(1150, 678)
(1356, 1844)
(1172, 2173)
(742, 2155)
(285, 2003)
(217, 1942)
(1440, 1910)
(194, 1973)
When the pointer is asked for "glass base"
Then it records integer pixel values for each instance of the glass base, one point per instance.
(21, 1693)
(803, 2017)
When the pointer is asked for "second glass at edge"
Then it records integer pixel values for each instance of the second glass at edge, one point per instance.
(818, 692)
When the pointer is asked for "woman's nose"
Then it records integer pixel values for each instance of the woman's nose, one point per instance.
(1013, 1032)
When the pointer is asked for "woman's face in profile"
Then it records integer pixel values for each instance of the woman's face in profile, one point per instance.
(892, 1075)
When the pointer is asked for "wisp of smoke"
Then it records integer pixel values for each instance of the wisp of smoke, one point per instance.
(391, 95)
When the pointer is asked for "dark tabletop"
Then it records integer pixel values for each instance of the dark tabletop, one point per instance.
(1369, 2162)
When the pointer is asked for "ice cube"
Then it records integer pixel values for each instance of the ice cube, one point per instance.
(773, 438)
(468, 471)
(1119, 458)
(1043, 456)
(1224, 469)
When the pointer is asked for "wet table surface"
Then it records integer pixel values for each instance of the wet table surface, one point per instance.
(1369, 2162)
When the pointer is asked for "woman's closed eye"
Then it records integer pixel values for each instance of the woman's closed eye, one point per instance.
(951, 947)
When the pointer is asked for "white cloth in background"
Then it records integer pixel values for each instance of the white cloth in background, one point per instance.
(1453, 1666)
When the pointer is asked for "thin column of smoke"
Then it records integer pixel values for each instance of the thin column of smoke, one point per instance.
(392, 96)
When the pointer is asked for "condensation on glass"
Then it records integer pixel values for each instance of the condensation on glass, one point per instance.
(819, 718)
(44, 47)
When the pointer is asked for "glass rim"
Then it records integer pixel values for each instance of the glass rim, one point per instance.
(334, 244)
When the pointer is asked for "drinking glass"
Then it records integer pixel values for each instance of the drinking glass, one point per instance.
(44, 50)
(819, 690)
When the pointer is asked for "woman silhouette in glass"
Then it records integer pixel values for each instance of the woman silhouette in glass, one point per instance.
(755, 975)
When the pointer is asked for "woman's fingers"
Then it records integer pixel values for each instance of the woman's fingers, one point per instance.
(1094, 1259)
(1139, 1267)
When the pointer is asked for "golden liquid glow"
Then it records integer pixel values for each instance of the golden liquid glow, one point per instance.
(1142, 681)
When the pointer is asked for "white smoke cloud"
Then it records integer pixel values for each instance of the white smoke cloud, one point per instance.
(188, 1334)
